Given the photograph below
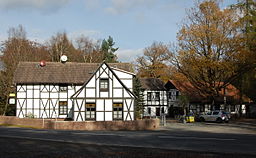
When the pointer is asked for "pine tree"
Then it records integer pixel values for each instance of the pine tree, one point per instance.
(108, 50)
(139, 101)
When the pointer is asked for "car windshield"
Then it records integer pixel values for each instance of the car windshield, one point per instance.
(215, 113)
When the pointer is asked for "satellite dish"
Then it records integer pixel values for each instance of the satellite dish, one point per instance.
(63, 58)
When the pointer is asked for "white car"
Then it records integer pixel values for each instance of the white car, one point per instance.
(217, 116)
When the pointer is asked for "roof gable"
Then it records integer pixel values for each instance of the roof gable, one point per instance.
(110, 69)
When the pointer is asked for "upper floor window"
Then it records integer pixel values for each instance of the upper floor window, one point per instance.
(149, 96)
(173, 94)
(104, 84)
(157, 96)
(63, 88)
(153, 96)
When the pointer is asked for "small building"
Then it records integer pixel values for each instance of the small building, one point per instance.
(229, 99)
(75, 91)
(155, 98)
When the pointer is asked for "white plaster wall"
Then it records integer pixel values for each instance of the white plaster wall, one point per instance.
(108, 105)
(123, 75)
(108, 116)
(99, 116)
(118, 92)
(90, 92)
(100, 105)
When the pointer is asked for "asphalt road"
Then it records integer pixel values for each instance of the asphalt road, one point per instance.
(163, 141)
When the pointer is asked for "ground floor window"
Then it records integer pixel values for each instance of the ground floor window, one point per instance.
(118, 111)
(149, 110)
(90, 113)
(163, 110)
(232, 108)
(202, 108)
(63, 107)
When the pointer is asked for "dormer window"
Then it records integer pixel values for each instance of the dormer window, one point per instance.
(104, 84)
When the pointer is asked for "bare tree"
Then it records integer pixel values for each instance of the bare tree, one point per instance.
(89, 49)
(17, 48)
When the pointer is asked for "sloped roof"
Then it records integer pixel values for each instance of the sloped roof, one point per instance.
(152, 84)
(56, 72)
(231, 92)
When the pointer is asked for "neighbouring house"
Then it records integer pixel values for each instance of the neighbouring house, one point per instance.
(229, 99)
(75, 91)
(155, 98)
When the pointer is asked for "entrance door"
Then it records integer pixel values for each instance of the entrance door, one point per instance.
(157, 111)
(171, 111)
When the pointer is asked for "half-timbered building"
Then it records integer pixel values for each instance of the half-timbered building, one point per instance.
(230, 99)
(78, 91)
(155, 98)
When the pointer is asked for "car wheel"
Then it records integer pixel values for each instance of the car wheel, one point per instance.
(219, 120)
(201, 119)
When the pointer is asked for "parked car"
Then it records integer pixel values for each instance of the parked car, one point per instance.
(217, 116)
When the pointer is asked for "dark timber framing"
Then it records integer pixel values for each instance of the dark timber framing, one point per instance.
(79, 102)
(48, 106)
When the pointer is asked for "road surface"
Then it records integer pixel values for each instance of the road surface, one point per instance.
(18, 141)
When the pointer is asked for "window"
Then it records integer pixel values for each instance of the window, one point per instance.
(157, 96)
(104, 84)
(170, 95)
(232, 108)
(202, 108)
(149, 96)
(215, 113)
(118, 111)
(177, 93)
(162, 110)
(63, 88)
(90, 111)
(149, 111)
(209, 113)
(63, 107)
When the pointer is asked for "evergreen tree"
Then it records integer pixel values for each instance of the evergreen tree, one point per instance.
(108, 50)
(139, 101)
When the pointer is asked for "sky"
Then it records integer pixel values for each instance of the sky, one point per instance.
(133, 24)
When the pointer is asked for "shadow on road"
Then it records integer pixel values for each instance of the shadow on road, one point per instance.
(13, 148)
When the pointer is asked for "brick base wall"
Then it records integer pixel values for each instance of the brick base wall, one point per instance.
(147, 124)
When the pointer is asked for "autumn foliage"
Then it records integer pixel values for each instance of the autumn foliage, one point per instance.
(211, 48)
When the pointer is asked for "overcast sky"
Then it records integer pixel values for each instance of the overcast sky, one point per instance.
(134, 24)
